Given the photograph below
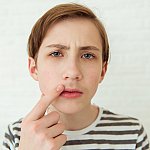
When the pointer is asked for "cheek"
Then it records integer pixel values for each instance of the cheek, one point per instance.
(92, 82)
(47, 81)
(93, 79)
(94, 76)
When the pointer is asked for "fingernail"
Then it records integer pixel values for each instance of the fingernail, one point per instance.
(59, 88)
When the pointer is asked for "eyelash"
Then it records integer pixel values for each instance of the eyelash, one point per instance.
(92, 56)
(52, 54)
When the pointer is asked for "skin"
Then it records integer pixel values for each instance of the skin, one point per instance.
(70, 56)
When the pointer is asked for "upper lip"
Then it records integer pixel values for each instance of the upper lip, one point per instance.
(72, 90)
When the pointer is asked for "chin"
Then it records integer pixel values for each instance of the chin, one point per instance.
(68, 109)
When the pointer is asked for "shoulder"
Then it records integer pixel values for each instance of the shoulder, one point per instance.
(12, 135)
(122, 122)
(118, 124)
(15, 127)
(124, 125)
(118, 119)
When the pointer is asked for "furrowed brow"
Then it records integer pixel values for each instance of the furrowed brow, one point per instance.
(63, 47)
(59, 46)
(89, 48)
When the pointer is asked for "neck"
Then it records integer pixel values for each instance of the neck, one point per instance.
(80, 119)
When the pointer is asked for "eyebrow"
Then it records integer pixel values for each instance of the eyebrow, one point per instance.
(63, 47)
(58, 46)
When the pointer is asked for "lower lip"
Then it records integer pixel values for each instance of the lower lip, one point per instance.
(71, 94)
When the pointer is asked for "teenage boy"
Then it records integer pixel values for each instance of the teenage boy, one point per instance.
(68, 56)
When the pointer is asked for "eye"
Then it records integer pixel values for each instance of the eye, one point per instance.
(56, 54)
(88, 56)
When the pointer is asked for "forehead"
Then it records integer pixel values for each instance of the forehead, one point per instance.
(81, 30)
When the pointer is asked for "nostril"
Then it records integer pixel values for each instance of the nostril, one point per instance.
(72, 76)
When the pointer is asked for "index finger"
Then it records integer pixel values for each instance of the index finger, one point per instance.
(40, 108)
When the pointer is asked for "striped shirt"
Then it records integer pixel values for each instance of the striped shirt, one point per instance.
(109, 131)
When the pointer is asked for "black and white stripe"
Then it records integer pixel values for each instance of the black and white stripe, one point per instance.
(109, 131)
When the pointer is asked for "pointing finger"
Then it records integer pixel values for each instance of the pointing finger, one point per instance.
(40, 108)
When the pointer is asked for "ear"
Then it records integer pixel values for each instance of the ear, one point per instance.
(32, 68)
(104, 69)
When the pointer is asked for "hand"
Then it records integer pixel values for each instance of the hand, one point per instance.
(40, 131)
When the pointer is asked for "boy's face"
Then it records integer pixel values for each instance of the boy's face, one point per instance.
(70, 54)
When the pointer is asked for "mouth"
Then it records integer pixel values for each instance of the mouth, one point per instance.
(71, 93)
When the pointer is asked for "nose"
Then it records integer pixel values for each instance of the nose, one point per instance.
(72, 71)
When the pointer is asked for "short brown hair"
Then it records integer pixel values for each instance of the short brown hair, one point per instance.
(58, 13)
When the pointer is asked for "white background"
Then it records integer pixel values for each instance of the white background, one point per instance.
(126, 87)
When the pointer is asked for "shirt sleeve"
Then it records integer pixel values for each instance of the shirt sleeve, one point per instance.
(8, 140)
(142, 140)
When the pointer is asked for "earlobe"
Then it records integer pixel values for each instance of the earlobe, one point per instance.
(32, 68)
